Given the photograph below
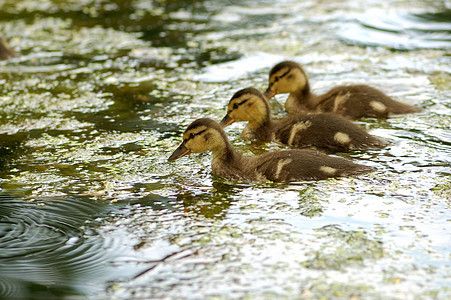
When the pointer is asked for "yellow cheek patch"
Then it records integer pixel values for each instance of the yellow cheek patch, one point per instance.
(190, 144)
(252, 110)
(195, 131)
(241, 114)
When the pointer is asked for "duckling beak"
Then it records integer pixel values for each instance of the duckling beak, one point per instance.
(269, 93)
(227, 121)
(179, 152)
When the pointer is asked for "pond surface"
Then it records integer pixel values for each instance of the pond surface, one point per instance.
(99, 98)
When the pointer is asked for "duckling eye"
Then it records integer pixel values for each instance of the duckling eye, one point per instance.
(277, 78)
(192, 135)
(236, 104)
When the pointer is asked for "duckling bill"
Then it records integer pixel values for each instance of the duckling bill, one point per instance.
(325, 131)
(352, 102)
(292, 165)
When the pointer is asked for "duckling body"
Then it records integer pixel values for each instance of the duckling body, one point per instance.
(292, 165)
(5, 50)
(322, 130)
(353, 101)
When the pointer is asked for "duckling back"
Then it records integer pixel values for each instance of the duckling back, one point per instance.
(324, 131)
(357, 101)
(296, 165)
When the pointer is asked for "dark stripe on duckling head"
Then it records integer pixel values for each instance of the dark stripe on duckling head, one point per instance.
(249, 90)
(269, 93)
(202, 122)
(290, 65)
(277, 78)
(209, 123)
(236, 105)
(192, 135)
(284, 64)
(254, 92)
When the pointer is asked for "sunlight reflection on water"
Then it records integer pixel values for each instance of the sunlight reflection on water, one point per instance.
(400, 31)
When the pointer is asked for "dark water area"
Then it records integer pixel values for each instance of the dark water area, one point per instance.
(53, 247)
(100, 95)
(44, 248)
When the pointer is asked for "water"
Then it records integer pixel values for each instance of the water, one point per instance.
(99, 98)
(401, 31)
(51, 248)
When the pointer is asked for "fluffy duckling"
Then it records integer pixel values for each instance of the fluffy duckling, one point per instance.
(325, 131)
(5, 50)
(291, 165)
(353, 101)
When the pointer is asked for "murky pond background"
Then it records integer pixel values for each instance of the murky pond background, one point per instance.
(98, 100)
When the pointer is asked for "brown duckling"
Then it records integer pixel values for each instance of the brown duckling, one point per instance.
(290, 165)
(325, 131)
(353, 101)
(5, 50)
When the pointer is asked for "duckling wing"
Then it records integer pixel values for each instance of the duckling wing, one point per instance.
(294, 165)
(356, 101)
(325, 131)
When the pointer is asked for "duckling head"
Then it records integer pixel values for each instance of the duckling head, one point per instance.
(200, 136)
(286, 77)
(247, 105)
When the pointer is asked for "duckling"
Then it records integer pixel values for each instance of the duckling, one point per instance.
(326, 131)
(352, 102)
(5, 50)
(290, 165)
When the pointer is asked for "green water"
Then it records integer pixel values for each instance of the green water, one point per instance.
(100, 95)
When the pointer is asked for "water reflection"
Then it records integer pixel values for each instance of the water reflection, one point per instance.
(211, 205)
(8, 149)
(349, 248)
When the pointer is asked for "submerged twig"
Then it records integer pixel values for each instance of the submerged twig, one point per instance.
(179, 255)
(5, 49)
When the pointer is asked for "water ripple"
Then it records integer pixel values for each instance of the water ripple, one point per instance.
(400, 31)
(46, 242)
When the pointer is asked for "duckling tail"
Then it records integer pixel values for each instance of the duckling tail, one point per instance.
(403, 108)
